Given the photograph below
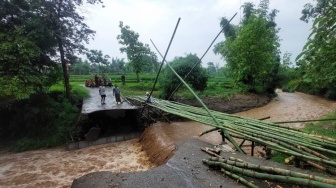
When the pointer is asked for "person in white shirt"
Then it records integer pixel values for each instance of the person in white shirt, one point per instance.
(102, 93)
(148, 100)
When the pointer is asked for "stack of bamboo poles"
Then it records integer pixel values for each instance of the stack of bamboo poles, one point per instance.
(313, 149)
(237, 168)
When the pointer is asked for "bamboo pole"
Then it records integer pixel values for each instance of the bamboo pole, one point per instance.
(238, 178)
(241, 163)
(264, 176)
(206, 108)
(291, 142)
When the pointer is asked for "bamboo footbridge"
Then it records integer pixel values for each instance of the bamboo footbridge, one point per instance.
(311, 148)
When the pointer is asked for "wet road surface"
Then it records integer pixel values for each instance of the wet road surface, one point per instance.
(93, 103)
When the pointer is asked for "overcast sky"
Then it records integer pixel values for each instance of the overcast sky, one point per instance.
(199, 25)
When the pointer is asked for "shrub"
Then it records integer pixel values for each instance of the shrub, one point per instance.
(43, 120)
(182, 65)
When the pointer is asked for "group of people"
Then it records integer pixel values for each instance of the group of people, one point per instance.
(115, 91)
(96, 81)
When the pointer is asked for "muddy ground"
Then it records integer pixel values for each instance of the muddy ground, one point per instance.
(233, 104)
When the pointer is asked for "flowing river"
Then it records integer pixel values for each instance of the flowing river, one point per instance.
(57, 167)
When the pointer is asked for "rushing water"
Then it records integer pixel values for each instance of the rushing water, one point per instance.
(292, 106)
(57, 167)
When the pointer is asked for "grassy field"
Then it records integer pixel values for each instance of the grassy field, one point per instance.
(216, 86)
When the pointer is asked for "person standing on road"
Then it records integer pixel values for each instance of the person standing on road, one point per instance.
(102, 94)
(116, 93)
(96, 79)
(123, 79)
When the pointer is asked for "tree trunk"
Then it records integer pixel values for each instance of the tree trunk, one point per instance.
(61, 50)
(64, 68)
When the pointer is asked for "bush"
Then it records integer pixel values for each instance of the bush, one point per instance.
(43, 120)
(182, 65)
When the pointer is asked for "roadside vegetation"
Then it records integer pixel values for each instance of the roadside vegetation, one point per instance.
(322, 128)
(42, 78)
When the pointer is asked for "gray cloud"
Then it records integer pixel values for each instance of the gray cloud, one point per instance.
(156, 19)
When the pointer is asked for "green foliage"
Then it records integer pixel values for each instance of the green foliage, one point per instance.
(291, 86)
(118, 66)
(80, 67)
(31, 32)
(212, 69)
(288, 75)
(138, 54)
(317, 60)
(43, 120)
(324, 128)
(182, 65)
(252, 53)
(53, 129)
(25, 44)
(279, 157)
(216, 86)
(97, 59)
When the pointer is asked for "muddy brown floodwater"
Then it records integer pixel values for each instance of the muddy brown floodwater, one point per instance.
(57, 167)
(292, 106)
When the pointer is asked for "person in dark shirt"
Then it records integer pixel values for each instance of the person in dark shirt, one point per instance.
(123, 79)
(116, 93)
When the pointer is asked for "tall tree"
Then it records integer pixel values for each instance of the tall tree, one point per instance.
(318, 56)
(136, 51)
(26, 47)
(248, 10)
(252, 51)
(67, 27)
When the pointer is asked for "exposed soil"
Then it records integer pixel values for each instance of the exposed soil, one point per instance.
(233, 104)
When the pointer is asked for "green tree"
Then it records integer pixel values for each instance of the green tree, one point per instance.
(151, 64)
(212, 70)
(287, 72)
(118, 65)
(318, 57)
(97, 58)
(67, 27)
(182, 65)
(136, 51)
(80, 67)
(252, 52)
(26, 46)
